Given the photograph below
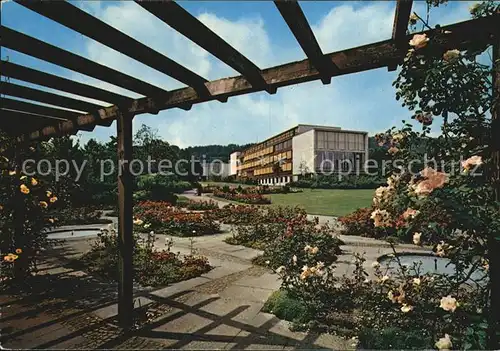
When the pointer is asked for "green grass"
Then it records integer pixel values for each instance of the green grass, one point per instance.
(330, 202)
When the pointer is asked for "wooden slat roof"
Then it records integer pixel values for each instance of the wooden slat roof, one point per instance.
(317, 66)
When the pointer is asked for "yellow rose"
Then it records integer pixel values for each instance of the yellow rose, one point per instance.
(19, 251)
(12, 173)
(34, 182)
(444, 343)
(48, 193)
(53, 199)
(51, 220)
(24, 189)
(43, 204)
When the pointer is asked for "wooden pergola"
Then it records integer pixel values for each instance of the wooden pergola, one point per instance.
(31, 121)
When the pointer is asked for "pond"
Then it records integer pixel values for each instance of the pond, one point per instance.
(69, 234)
(428, 264)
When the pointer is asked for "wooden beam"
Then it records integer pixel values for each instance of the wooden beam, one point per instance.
(363, 58)
(17, 123)
(125, 222)
(12, 70)
(30, 46)
(297, 22)
(32, 121)
(80, 21)
(494, 239)
(23, 106)
(401, 19)
(28, 93)
(186, 24)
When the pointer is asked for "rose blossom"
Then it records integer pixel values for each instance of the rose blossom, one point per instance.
(419, 41)
(416, 238)
(449, 303)
(406, 308)
(444, 343)
(451, 55)
(472, 161)
(410, 213)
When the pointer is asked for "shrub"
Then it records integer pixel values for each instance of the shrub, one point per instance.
(258, 228)
(285, 307)
(164, 218)
(339, 182)
(157, 187)
(304, 256)
(360, 223)
(237, 214)
(201, 205)
(248, 198)
(394, 338)
(81, 215)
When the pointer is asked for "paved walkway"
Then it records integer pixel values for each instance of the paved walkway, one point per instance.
(218, 310)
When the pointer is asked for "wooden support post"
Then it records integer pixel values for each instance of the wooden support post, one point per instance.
(494, 241)
(125, 222)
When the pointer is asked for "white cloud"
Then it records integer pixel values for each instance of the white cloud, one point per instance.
(363, 101)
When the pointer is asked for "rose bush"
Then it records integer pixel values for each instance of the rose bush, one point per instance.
(164, 218)
(152, 267)
(25, 203)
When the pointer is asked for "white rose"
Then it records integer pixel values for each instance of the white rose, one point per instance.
(416, 238)
(449, 303)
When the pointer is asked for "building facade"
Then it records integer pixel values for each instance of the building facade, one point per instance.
(299, 151)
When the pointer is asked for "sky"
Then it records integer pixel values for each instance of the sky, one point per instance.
(361, 101)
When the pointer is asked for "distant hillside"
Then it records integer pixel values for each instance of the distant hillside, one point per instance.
(221, 152)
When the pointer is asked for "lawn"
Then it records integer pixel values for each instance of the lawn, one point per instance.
(332, 202)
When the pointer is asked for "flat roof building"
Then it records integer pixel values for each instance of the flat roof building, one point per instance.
(301, 150)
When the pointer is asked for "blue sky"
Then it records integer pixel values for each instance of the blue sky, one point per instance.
(361, 101)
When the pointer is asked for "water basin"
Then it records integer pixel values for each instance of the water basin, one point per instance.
(69, 234)
(428, 264)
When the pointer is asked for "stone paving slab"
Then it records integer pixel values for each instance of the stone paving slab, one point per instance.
(268, 281)
(250, 294)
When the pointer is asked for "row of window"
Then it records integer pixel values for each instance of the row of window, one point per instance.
(268, 170)
(287, 135)
(275, 180)
(260, 153)
(284, 145)
(266, 160)
(340, 141)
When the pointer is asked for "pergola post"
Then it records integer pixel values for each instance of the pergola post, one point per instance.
(494, 241)
(125, 221)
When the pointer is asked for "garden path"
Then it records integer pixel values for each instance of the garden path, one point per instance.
(218, 310)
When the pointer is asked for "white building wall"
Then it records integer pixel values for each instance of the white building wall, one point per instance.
(233, 163)
(303, 153)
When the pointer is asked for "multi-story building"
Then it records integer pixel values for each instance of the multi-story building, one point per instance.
(302, 150)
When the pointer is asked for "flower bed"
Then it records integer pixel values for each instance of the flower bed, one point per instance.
(248, 198)
(151, 267)
(201, 205)
(265, 230)
(164, 218)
